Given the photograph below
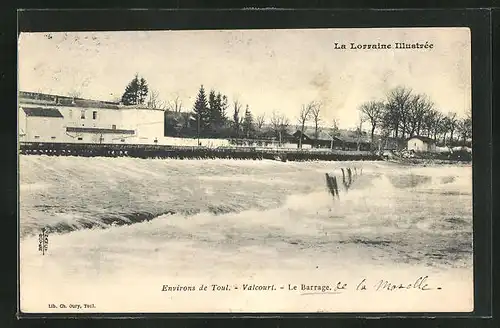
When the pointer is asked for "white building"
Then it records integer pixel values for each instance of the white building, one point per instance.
(421, 144)
(56, 123)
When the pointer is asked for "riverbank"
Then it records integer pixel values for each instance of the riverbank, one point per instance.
(429, 162)
(453, 157)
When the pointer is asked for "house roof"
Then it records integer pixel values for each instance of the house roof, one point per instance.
(42, 112)
(311, 134)
(342, 135)
(352, 137)
(422, 138)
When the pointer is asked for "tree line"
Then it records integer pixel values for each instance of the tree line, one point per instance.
(216, 117)
(213, 116)
(404, 113)
(400, 115)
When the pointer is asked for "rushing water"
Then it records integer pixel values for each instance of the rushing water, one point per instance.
(114, 216)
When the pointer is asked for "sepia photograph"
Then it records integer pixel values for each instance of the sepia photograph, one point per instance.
(245, 171)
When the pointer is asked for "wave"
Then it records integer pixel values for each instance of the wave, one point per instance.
(68, 194)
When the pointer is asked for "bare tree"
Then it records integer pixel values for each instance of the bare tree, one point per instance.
(444, 127)
(304, 116)
(74, 94)
(259, 122)
(175, 105)
(428, 122)
(398, 104)
(315, 115)
(437, 124)
(464, 128)
(237, 119)
(279, 125)
(359, 130)
(468, 123)
(420, 105)
(372, 112)
(154, 100)
(452, 124)
(334, 131)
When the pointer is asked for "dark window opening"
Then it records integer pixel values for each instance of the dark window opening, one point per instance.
(83, 114)
(94, 115)
(80, 138)
(37, 137)
(52, 137)
(123, 140)
(113, 127)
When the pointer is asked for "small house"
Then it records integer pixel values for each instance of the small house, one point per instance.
(311, 138)
(352, 140)
(421, 144)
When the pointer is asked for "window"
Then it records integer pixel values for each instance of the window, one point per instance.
(113, 127)
(52, 138)
(80, 138)
(123, 140)
(83, 114)
(37, 137)
(94, 115)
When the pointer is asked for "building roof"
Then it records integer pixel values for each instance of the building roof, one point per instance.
(98, 130)
(42, 112)
(57, 100)
(423, 139)
(138, 106)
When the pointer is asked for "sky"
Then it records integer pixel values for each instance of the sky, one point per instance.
(270, 70)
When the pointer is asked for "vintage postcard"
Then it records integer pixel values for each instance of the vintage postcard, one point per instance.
(245, 171)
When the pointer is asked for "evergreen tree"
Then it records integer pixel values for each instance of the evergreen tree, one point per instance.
(221, 101)
(135, 92)
(221, 119)
(223, 105)
(213, 107)
(130, 95)
(248, 127)
(143, 91)
(218, 106)
(202, 111)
